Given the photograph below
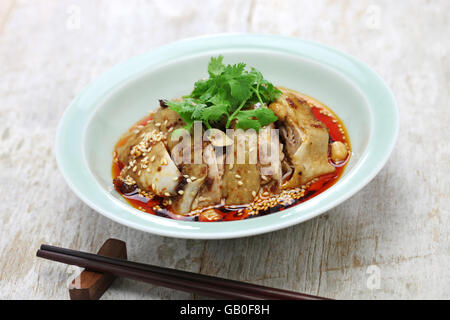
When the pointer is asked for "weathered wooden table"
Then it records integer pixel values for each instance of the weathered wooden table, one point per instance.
(391, 240)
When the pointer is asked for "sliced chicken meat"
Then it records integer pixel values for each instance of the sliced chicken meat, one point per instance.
(211, 190)
(162, 121)
(193, 173)
(155, 171)
(305, 138)
(241, 181)
(270, 157)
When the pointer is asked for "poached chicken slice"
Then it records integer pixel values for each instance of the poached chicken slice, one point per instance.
(211, 190)
(241, 181)
(155, 172)
(163, 121)
(306, 139)
(194, 174)
(270, 157)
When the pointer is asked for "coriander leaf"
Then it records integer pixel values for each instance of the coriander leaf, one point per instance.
(216, 67)
(185, 109)
(268, 92)
(209, 93)
(220, 99)
(257, 75)
(228, 95)
(255, 118)
(213, 114)
(240, 88)
(235, 70)
(197, 113)
(200, 87)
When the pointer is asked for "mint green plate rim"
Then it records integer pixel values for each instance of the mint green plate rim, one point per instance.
(69, 140)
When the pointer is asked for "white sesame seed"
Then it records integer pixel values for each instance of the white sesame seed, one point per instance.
(237, 176)
(240, 183)
(180, 192)
(167, 194)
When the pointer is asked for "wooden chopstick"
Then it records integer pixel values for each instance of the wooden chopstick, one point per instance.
(215, 281)
(152, 278)
(171, 278)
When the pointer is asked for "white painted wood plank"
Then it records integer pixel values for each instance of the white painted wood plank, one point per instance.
(398, 223)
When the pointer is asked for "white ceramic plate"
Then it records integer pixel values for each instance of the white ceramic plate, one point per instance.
(94, 121)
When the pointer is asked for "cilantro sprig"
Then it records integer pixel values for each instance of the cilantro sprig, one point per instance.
(229, 94)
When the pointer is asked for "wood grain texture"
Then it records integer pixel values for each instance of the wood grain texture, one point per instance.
(91, 285)
(399, 223)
